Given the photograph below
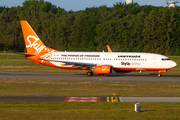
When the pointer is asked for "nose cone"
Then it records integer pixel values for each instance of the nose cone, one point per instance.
(173, 64)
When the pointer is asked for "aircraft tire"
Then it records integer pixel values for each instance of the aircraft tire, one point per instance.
(159, 75)
(89, 73)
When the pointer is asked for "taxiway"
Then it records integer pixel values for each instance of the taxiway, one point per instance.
(69, 76)
(88, 99)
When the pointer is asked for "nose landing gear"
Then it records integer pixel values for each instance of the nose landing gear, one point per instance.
(159, 75)
(161, 71)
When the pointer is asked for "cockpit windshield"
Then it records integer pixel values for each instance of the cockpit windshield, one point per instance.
(165, 59)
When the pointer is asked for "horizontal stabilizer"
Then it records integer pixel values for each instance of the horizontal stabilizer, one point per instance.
(23, 53)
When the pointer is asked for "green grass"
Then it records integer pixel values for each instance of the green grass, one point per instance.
(87, 88)
(87, 111)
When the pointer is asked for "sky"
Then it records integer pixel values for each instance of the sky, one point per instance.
(76, 5)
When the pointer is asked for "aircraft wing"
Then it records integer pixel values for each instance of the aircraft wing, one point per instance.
(78, 64)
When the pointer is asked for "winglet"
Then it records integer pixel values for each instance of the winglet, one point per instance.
(108, 48)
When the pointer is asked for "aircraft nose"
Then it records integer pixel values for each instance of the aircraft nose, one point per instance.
(173, 64)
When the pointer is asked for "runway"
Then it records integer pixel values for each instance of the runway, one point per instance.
(90, 99)
(70, 76)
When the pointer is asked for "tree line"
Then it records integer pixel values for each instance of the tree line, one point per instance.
(127, 28)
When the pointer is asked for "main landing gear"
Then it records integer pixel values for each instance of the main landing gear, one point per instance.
(89, 73)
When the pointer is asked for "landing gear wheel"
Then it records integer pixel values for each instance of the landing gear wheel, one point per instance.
(159, 75)
(89, 73)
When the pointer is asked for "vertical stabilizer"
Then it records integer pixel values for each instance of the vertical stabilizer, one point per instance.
(33, 44)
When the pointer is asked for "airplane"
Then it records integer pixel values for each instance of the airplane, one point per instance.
(101, 63)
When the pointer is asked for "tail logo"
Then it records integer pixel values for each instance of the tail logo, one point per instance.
(39, 47)
(35, 45)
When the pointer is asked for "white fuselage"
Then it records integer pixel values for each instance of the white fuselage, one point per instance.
(118, 60)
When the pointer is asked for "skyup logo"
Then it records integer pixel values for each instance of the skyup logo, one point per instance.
(38, 47)
(125, 63)
(104, 68)
(34, 44)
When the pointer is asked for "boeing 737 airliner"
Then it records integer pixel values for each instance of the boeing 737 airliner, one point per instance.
(98, 62)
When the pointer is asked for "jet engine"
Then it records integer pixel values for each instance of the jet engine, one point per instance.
(103, 69)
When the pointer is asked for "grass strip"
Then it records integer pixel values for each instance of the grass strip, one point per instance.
(87, 88)
(87, 111)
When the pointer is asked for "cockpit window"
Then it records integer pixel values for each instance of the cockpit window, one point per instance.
(164, 59)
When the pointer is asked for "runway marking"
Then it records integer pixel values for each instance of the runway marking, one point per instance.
(107, 99)
(120, 99)
(116, 99)
(82, 99)
(112, 99)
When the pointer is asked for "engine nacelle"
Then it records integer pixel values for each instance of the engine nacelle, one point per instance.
(103, 69)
